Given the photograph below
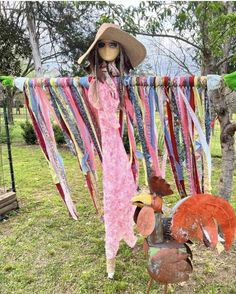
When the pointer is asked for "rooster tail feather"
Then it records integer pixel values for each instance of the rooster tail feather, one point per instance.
(200, 216)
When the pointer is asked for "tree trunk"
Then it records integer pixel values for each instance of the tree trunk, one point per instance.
(229, 7)
(33, 39)
(227, 127)
(227, 147)
(218, 97)
(208, 65)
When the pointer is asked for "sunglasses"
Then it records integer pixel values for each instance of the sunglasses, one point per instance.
(113, 45)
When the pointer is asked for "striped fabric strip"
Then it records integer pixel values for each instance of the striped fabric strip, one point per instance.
(88, 151)
(172, 125)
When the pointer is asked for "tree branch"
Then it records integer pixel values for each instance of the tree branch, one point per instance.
(51, 56)
(173, 56)
(167, 36)
(28, 68)
(225, 59)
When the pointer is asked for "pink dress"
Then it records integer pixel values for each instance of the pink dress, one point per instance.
(118, 181)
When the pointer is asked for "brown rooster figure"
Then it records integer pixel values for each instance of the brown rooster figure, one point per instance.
(196, 217)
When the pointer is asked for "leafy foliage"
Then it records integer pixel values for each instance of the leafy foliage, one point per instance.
(14, 46)
(30, 137)
(72, 27)
(209, 27)
(28, 133)
(58, 135)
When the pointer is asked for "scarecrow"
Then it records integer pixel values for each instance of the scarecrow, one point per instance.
(112, 54)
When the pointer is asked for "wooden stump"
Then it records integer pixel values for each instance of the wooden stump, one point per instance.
(8, 202)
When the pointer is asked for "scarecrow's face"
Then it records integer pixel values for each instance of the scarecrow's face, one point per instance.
(108, 50)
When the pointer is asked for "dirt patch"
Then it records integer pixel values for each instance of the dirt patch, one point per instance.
(213, 272)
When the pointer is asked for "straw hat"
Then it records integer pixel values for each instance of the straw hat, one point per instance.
(134, 49)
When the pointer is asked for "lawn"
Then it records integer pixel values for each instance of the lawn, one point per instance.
(44, 251)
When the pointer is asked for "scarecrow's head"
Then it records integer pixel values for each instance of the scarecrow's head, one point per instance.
(113, 44)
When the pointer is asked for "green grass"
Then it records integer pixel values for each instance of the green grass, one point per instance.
(42, 250)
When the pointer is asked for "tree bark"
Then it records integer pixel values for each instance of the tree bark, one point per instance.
(220, 107)
(208, 65)
(229, 6)
(33, 39)
(228, 153)
(228, 129)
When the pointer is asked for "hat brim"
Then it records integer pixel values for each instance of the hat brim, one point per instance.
(134, 49)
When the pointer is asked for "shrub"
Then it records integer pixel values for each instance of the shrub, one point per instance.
(30, 136)
(3, 137)
(58, 135)
(28, 133)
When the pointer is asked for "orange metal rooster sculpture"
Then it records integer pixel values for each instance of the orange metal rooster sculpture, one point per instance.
(198, 217)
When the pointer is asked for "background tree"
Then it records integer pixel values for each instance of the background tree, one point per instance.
(67, 28)
(14, 48)
(208, 27)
